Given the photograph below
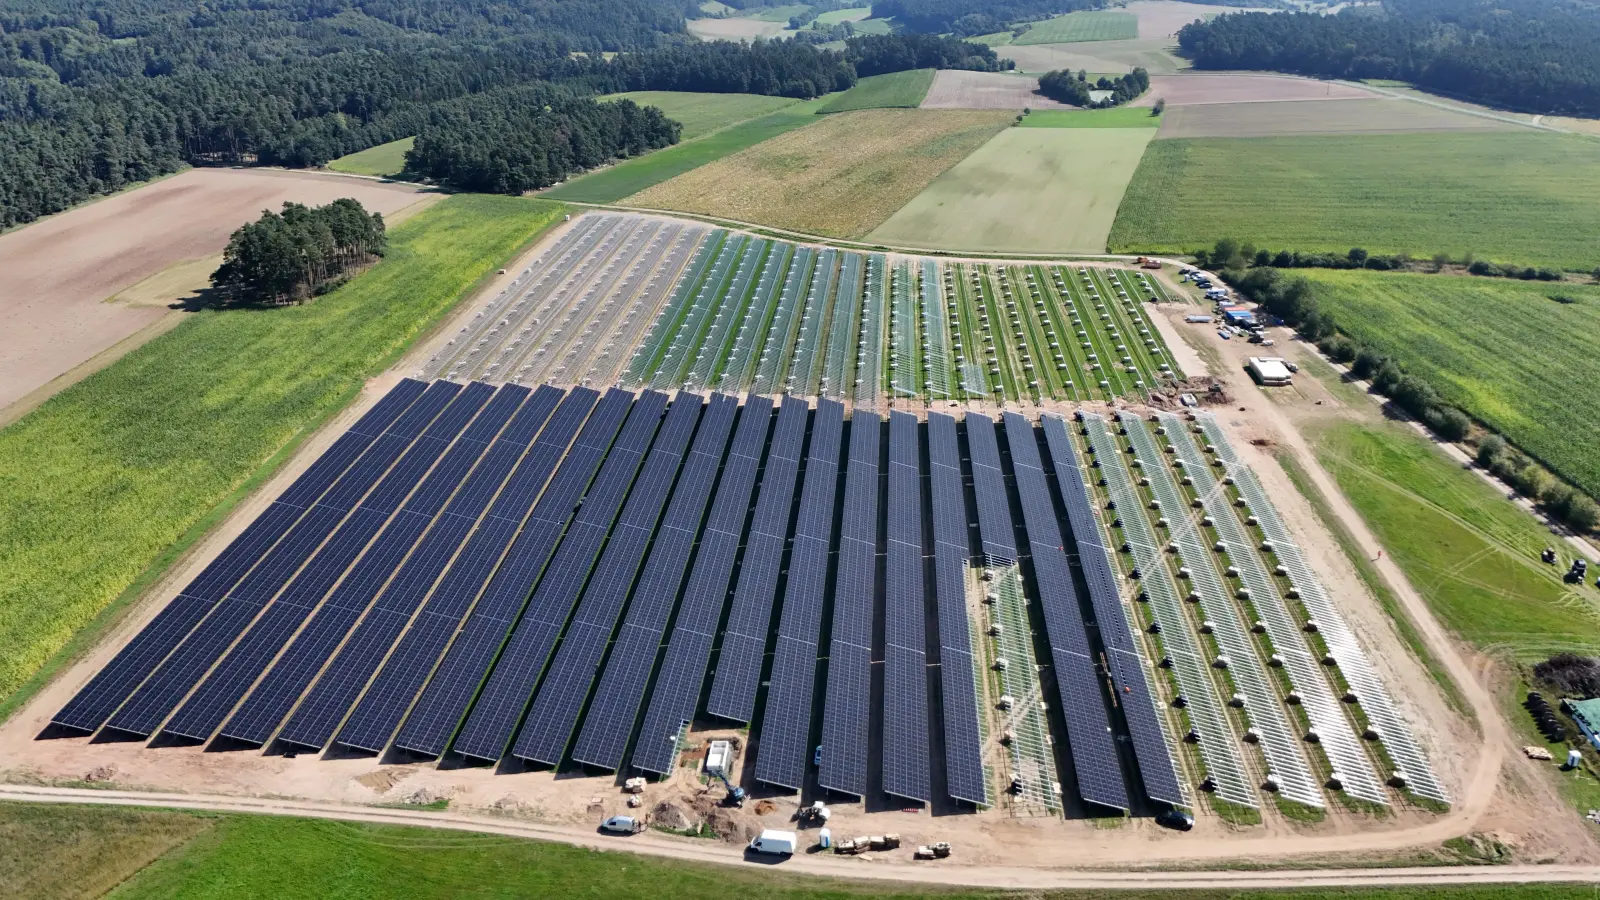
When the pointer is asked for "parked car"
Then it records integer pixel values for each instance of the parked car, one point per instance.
(622, 825)
(1176, 819)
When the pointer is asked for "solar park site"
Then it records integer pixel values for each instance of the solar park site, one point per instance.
(928, 539)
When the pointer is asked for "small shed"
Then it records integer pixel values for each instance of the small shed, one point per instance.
(1269, 370)
(1587, 714)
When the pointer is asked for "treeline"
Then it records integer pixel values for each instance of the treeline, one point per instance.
(1293, 300)
(530, 137)
(1537, 56)
(1065, 87)
(1229, 254)
(776, 68)
(813, 10)
(877, 54)
(965, 18)
(298, 253)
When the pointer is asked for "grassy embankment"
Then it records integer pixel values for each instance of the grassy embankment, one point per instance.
(1504, 351)
(701, 114)
(75, 853)
(112, 479)
(1523, 197)
(903, 90)
(383, 160)
(624, 179)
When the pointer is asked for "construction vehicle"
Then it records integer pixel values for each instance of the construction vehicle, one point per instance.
(1146, 262)
(815, 814)
(941, 850)
(736, 794)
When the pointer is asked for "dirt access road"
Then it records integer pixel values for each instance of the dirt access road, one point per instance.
(60, 272)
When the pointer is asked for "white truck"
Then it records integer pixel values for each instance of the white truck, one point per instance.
(778, 843)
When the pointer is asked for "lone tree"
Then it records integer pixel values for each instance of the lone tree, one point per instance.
(290, 256)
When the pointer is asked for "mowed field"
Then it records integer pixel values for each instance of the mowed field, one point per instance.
(1524, 197)
(1503, 350)
(896, 90)
(1154, 56)
(1292, 117)
(1082, 26)
(840, 177)
(1191, 89)
(58, 272)
(1028, 190)
(113, 477)
(382, 160)
(1116, 117)
(954, 89)
(704, 113)
(613, 183)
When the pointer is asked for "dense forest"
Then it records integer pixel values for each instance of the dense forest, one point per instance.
(966, 18)
(1537, 56)
(302, 251)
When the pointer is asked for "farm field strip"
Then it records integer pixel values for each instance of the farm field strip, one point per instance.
(805, 372)
(1091, 333)
(654, 347)
(844, 331)
(674, 365)
(1133, 341)
(1030, 341)
(1080, 27)
(998, 359)
(1053, 351)
(936, 327)
(786, 321)
(1069, 359)
(972, 370)
(869, 347)
(714, 341)
(905, 371)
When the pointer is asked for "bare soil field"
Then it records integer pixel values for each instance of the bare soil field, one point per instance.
(738, 29)
(1163, 18)
(1155, 56)
(954, 89)
(60, 272)
(1290, 117)
(1193, 90)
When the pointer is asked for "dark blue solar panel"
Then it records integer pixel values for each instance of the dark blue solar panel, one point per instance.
(782, 752)
(677, 691)
(995, 527)
(744, 641)
(149, 705)
(847, 706)
(1094, 750)
(211, 702)
(1156, 766)
(494, 718)
(906, 769)
(100, 697)
(555, 710)
(963, 741)
(615, 707)
(430, 725)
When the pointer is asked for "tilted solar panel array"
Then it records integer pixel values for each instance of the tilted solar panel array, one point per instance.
(786, 727)
(906, 769)
(847, 707)
(406, 446)
(215, 698)
(1151, 741)
(434, 720)
(744, 640)
(1094, 753)
(995, 527)
(258, 718)
(958, 686)
(98, 699)
(677, 691)
(494, 718)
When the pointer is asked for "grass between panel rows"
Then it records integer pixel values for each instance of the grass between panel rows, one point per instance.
(111, 476)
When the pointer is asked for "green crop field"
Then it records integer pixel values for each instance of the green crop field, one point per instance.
(896, 89)
(384, 159)
(1117, 117)
(852, 14)
(1027, 190)
(612, 184)
(778, 13)
(1502, 350)
(1082, 26)
(1523, 197)
(120, 472)
(704, 113)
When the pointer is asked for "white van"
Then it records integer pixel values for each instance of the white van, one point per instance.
(782, 843)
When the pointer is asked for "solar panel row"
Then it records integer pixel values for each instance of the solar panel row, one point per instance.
(995, 528)
(1094, 752)
(958, 686)
(906, 770)
(847, 707)
(744, 641)
(786, 726)
(92, 705)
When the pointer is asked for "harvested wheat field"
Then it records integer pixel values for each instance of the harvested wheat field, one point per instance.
(1155, 56)
(1289, 117)
(61, 271)
(841, 177)
(1190, 90)
(954, 89)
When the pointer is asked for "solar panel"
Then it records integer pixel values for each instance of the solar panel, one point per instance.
(744, 640)
(615, 707)
(259, 715)
(1151, 744)
(430, 725)
(151, 703)
(782, 750)
(847, 706)
(995, 527)
(958, 686)
(905, 686)
(95, 702)
(677, 690)
(499, 708)
(211, 702)
(566, 685)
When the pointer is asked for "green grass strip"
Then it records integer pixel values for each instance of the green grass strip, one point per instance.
(896, 90)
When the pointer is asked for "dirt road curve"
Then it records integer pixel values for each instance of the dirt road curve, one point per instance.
(932, 873)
